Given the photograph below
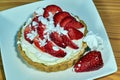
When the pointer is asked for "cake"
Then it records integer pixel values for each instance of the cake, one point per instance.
(52, 40)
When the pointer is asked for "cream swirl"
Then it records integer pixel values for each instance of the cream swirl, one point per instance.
(93, 41)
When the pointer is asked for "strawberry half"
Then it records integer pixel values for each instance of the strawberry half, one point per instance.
(74, 23)
(74, 34)
(51, 8)
(57, 39)
(68, 42)
(57, 53)
(90, 62)
(58, 17)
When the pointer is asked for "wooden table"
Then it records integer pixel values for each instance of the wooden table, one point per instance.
(110, 13)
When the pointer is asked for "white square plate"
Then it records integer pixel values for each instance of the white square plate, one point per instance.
(10, 22)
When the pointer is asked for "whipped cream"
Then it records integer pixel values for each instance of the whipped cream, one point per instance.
(93, 41)
(32, 35)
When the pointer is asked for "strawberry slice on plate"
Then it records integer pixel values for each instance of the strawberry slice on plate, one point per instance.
(57, 39)
(74, 34)
(51, 8)
(50, 50)
(68, 42)
(58, 17)
(90, 62)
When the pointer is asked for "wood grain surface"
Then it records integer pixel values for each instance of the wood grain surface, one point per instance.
(110, 13)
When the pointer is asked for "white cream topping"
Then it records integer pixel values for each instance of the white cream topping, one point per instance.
(60, 30)
(34, 23)
(42, 19)
(42, 42)
(32, 35)
(93, 41)
(56, 48)
(50, 16)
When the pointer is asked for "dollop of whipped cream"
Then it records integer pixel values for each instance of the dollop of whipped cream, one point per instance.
(93, 41)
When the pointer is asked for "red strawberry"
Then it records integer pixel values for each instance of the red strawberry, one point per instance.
(90, 62)
(40, 30)
(57, 53)
(74, 34)
(74, 23)
(68, 42)
(59, 16)
(27, 31)
(36, 19)
(66, 20)
(37, 44)
(57, 39)
(51, 8)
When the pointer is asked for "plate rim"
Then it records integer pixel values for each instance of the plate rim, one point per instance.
(115, 67)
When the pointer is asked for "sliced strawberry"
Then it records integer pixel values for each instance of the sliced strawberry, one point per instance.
(59, 16)
(33, 28)
(74, 23)
(40, 30)
(51, 8)
(68, 42)
(36, 19)
(57, 39)
(37, 44)
(66, 20)
(90, 62)
(49, 49)
(27, 31)
(74, 34)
